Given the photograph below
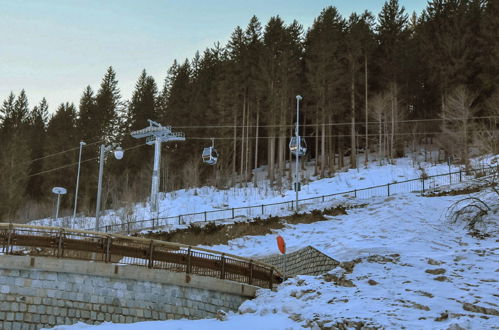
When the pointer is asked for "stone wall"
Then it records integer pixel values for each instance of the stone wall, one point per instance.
(306, 261)
(40, 292)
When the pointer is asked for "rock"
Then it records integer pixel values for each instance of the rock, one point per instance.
(437, 271)
(221, 315)
(372, 282)
(442, 279)
(479, 309)
(455, 326)
(434, 262)
(443, 316)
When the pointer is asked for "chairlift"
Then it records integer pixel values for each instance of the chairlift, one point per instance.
(210, 154)
(298, 146)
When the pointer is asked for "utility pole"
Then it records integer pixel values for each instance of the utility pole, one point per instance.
(78, 180)
(118, 154)
(155, 134)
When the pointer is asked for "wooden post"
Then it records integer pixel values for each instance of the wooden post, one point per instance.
(59, 245)
(151, 251)
(232, 213)
(250, 279)
(188, 270)
(222, 267)
(388, 188)
(9, 239)
(108, 249)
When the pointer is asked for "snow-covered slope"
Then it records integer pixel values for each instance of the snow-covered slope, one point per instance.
(209, 199)
(404, 266)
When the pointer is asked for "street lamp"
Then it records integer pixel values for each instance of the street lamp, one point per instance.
(78, 180)
(58, 191)
(297, 135)
(118, 154)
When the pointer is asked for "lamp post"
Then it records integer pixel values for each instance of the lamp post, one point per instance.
(58, 191)
(118, 154)
(298, 142)
(78, 180)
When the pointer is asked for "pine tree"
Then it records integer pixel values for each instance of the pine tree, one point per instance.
(38, 120)
(392, 35)
(62, 135)
(325, 75)
(14, 154)
(108, 105)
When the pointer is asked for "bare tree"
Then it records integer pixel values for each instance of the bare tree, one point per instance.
(379, 110)
(456, 117)
(486, 138)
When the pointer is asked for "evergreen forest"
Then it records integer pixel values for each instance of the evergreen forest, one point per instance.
(371, 82)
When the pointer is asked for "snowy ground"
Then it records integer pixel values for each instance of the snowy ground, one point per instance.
(411, 269)
(209, 199)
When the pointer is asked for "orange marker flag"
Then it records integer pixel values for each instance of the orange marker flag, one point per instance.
(281, 244)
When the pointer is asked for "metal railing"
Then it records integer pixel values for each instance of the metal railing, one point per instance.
(111, 248)
(418, 185)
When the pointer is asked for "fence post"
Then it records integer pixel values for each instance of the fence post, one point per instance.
(179, 219)
(222, 268)
(250, 279)
(355, 193)
(322, 198)
(388, 188)
(422, 180)
(59, 245)
(9, 239)
(108, 249)
(151, 251)
(188, 269)
(460, 175)
(262, 209)
(205, 216)
(232, 213)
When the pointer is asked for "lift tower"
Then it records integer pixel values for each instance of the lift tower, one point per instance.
(155, 133)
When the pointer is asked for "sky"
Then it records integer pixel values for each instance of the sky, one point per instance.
(55, 48)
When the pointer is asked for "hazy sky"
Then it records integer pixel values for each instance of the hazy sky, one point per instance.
(54, 48)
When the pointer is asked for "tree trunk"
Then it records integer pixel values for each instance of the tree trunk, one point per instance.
(241, 166)
(256, 134)
(234, 153)
(366, 148)
(248, 153)
(323, 146)
(353, 151)
(316, 170)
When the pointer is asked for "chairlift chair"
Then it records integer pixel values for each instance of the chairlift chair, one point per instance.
(298, 146)
(210, 154)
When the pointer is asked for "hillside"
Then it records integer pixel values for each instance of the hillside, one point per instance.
(404, 264)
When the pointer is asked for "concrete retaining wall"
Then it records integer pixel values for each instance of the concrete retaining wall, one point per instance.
(39, 292)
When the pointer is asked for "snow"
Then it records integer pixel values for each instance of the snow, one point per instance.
(412, 267)
(203, 199)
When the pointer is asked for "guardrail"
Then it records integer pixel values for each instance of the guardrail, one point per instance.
(111, 248)
(413, 185)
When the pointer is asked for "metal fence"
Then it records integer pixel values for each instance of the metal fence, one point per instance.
(86, 245)
(418, 185)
